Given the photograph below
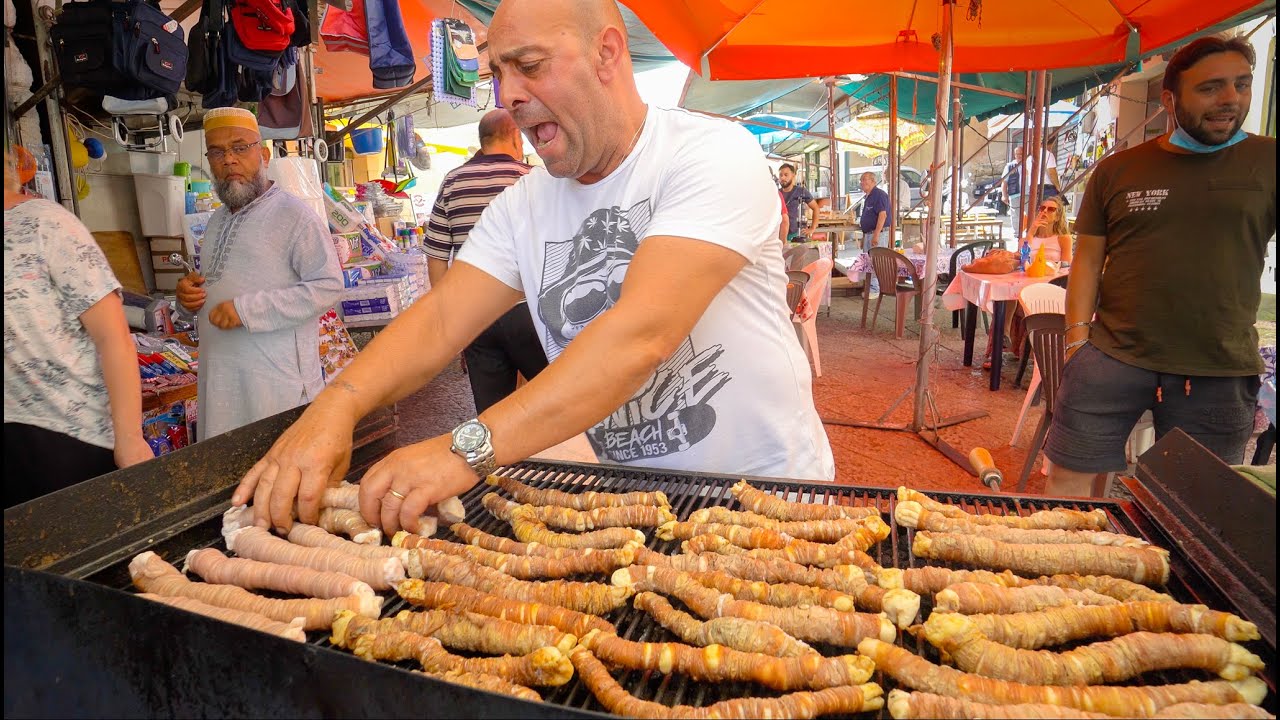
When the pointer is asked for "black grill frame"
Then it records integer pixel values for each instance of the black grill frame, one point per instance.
(692, 491)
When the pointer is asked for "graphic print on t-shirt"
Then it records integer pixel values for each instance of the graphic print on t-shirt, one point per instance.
(581, 278)
(672, 413)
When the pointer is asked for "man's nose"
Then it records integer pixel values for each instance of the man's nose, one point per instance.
(511, 92)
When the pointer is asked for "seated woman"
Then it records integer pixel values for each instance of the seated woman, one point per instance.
(1048, 231)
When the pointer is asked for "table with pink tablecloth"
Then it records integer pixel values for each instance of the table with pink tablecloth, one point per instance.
(992, 293)
(862, 264)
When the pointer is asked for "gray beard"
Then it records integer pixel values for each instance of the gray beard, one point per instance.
(237, 194)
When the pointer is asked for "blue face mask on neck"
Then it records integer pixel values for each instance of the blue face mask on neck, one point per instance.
(1181, 138)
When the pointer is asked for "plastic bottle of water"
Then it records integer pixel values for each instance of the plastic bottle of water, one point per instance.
(1024, 257)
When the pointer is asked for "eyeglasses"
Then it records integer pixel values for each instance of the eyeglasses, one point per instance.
(217, 154)
(1049, 208)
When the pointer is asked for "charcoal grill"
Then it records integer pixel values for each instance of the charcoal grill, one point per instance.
(78, 643)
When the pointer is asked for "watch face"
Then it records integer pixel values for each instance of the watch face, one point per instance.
(470, 436)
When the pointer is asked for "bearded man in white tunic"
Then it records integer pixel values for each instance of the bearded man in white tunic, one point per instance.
(268, 271)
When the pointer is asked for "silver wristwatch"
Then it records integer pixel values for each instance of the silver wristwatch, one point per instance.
(471, 442)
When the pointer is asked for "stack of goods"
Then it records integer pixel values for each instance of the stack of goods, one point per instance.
(164, 363)
(455, 61)
(413, 265)
(777, 603)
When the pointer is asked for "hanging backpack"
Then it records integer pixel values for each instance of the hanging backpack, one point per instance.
(82, 44)
(203, 47)
(263, 25)
(150, 50)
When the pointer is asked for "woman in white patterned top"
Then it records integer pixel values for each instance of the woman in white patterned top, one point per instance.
(72, 392)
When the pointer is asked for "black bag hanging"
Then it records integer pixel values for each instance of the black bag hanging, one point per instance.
(82, 45)
(301, 24)
(203, 48)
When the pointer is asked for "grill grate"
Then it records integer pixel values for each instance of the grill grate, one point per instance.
(689, 492)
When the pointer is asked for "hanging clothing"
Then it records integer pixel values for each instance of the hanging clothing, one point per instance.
(390, 53)
(345, 30)
(275, 260)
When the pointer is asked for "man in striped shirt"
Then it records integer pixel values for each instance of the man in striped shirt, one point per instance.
(511, 344)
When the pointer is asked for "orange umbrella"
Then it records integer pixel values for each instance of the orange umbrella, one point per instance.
(774, 39)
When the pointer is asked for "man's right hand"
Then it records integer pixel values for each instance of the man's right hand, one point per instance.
(191, 293)
(312, 454)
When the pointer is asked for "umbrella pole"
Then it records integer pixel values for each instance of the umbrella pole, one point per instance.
(894, 163)
(922, 396)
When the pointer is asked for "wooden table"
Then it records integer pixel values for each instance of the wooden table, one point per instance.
(981, 227)
(993, 293)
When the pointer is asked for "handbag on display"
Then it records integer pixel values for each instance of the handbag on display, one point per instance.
(264, 26)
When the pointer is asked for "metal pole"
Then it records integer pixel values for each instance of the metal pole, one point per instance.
(833, 181)
(956, 133)
(53, 111)
(1031, 191)
(894, 163)
(930, 281)
(1024, 181)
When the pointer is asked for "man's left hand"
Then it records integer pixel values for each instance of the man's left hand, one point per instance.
(224, 316)
(423, 473)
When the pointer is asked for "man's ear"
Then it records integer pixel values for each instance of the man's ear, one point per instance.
(266, 152)
(610, 49)
(1167, 100)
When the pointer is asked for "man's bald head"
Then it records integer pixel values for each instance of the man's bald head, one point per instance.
(496, 125)
(586, 18)
(564, 73)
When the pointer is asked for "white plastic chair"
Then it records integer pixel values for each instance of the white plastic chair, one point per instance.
(1038, 298)
(806, 323)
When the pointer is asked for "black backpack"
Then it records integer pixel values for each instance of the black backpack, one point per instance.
(128, 49)
(204, 47)
(82, 44)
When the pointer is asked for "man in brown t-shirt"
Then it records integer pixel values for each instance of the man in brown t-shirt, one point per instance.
(1181, 225)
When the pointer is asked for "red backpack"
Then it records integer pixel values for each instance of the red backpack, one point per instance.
(263, 25)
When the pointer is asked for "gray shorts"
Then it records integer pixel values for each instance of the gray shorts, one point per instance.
(1101, 399)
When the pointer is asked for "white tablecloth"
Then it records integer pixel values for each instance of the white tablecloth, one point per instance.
(983, 290)
(862, 264)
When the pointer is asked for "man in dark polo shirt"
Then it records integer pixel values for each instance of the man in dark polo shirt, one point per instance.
(511, 344)
(875, 213)
(797, 197)
(1181, 225)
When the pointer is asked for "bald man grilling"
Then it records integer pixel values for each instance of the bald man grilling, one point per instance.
(269, 271)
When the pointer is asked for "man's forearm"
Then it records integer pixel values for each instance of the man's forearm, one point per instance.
(880, 222)
(1053, 177)
(1082, 295)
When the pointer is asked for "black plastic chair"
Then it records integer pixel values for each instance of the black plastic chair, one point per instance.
(1047, 333)
(967, 253)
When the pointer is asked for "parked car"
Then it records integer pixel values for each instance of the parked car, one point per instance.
(990, 196)
(911, 175)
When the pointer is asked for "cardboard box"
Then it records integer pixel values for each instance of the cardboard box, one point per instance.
(350, 277)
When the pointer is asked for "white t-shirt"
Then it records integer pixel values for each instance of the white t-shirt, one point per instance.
(736, 397)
